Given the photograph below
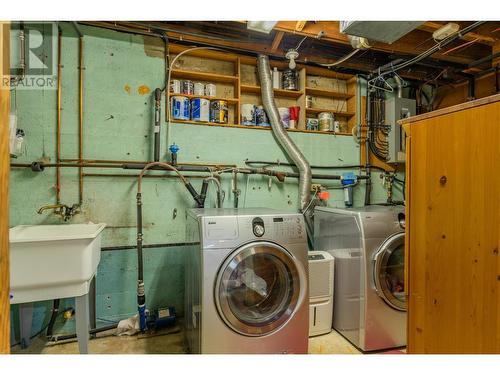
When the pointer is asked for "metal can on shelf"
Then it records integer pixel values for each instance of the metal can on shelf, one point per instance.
(180, 107)
(200, 109)
(289, 80)
(312, 124)
(261, 116)
(187, 87)
(210, 90)
(199, 89)
(248, 114)
(175, 86)
(325, 121)
(219, 111)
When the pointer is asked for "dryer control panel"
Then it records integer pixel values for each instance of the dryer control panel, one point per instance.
(225, 231)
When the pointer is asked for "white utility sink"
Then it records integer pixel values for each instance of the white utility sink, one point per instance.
(53, 261)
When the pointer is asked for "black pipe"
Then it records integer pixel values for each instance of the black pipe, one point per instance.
(157, 124)
(497, 87)
(141, 295)
(471, 88)
(73, 336)
(483, 60)
(203, 194)
(55, 311)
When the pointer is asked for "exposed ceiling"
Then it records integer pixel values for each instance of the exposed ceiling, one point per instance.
(449, 64)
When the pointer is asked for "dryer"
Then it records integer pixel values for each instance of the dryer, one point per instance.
(368, 246)
(246, 282)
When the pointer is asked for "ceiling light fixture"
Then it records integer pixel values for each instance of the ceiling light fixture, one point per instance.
(291, 55)
(445, 31)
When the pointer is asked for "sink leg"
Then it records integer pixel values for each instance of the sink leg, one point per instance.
(25, 318)
(82, 323)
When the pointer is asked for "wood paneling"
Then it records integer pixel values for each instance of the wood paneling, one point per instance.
(453, 235)
(4, 192)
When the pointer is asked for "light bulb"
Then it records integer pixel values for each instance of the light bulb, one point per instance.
(292, 64)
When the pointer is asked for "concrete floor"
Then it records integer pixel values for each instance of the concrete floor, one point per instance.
(173, 343)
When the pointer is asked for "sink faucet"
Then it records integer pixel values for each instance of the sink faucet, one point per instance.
(62, 210)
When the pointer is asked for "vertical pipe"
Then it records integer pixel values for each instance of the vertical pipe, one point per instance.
(58, 131)
(497, 86)
(368, 184)
(157, 125)
(80, 113)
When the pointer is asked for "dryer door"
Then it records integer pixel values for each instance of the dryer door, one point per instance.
(389, 271)
(258, 288)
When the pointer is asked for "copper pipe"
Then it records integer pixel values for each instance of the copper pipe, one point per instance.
(58, 131)
(97, 161)
(80, 110)
(136, 175)
(460, 46)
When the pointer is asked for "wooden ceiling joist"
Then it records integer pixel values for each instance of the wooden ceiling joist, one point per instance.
(277, 41)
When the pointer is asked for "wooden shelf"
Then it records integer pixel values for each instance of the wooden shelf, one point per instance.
(229, 100)
(280, 93)
(327, 93)
(252, 127)
(202, 76)
(338, 113)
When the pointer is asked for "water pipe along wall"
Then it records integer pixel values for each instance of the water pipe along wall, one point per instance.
(118, 96)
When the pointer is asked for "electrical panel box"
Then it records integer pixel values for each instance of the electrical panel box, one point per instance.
(396, 109)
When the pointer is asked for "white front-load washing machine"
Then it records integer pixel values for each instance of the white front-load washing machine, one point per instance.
(368, 246)
(246, 282)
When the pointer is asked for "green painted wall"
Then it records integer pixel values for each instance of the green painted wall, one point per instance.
(117, 125)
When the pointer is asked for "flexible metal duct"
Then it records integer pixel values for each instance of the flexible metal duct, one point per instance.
(399, 85)
(281, 135)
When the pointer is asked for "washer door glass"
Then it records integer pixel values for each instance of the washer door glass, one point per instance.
(257, 289)
(389, 271)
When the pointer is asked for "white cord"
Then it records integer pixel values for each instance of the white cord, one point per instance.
(167, 88)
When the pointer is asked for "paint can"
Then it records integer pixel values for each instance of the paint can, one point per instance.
(261, 116)
(180, 107)
(289, 80)
(199, 89)
(187, 87)
(248, 114)
(325, 121)
(210, 90)
(200, 109)
(294, 116)
(284, 116)
(312, 124)
(218, 111)
(175, 86)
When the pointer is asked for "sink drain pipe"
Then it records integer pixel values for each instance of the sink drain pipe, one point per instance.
(281, 135)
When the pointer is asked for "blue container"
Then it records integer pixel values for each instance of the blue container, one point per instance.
(180, 107)
(200, 109)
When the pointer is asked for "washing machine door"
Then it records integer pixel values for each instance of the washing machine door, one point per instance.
(389, 271)
(257, 288)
